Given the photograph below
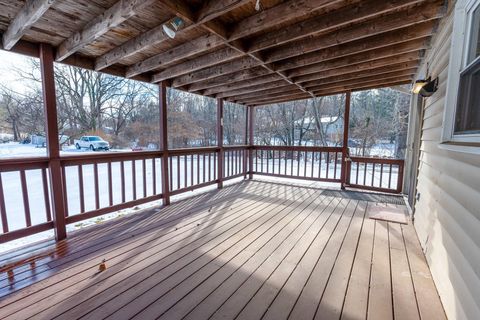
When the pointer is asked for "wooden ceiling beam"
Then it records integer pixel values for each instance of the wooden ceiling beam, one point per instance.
(397, 37)
(267, 97)
(353, 82)
(112, 17)
(180, 52)
(367, 73)
(249, 89)
(354, 13)
(225, 80)
(395, 50)
(212, 10)
(377, 85)
(273, 100)
(411, 57)
(329, 76)
(279, 89)
(377, 26)
(31, 12)
(279, 14)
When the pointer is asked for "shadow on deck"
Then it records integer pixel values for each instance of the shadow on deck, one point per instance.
(249, 251)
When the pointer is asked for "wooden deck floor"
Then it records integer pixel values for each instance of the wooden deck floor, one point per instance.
(254, 250)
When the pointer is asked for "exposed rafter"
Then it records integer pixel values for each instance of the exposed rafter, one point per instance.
(112, 17)
(28, 15)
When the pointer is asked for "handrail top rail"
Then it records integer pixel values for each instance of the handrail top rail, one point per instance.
(299, 148)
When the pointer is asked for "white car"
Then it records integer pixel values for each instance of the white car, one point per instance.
(92, 142)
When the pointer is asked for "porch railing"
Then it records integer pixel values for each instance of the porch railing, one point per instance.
(308, 163)
(376, 174)
(108, 182)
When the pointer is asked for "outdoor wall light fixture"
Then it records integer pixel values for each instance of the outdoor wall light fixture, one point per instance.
(172, 26)
(425, 87)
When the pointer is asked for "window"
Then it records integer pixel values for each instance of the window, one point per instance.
(462, 117)
(467, 117)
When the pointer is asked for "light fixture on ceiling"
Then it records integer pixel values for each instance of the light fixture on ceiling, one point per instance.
(258, 5)
(172, 26)
(425, 87)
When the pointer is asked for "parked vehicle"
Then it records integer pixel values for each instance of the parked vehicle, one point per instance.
(92, 142)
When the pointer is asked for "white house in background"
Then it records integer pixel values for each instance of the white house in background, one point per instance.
(333, 126)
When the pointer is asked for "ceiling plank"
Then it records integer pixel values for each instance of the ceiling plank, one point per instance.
(112, 17)
(279, 89)
(273, 99)
(156, 35)
(260, 83)
(26, 17)
(279, 14)
(225, 80)
(183, 51)
(206, 60)
(352, 82)
(377, 26)
(395, 50)
(250, 88)
(411, 57)
(412, 66)
(421, 31)
(329, 22)
(377, 85)
(215, 71)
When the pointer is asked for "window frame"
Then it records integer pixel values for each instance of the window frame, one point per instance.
(459, 54)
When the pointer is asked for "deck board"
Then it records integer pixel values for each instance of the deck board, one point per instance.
(256, 250)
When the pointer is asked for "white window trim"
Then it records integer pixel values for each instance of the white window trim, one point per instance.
(458, 57)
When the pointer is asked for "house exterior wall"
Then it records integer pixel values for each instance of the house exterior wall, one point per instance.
(447, 213)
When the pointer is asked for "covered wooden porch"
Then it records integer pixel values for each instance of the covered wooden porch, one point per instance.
(253, 250)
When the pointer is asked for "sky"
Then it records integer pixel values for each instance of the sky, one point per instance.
(8, 77)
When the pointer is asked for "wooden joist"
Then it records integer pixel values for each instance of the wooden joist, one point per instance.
(276, 100)
(225, 81)
(354, 13)
(279, 84)
(28, 15)
(390, 51)
(421, 31)
(380, 25)
(366, 86)
(363, 66)
(112, 17)
(278, 89)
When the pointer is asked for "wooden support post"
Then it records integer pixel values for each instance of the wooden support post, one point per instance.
(245, 142)
(346, 123)
(53, 146)
(251, 126)
(220, 142)
(164, 141)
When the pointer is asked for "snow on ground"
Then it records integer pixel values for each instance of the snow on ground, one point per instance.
(14, 200)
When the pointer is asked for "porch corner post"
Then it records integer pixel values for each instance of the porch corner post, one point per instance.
(220, 142)
(162, 97)
(346, 123)
(251, 126)
(57, 193)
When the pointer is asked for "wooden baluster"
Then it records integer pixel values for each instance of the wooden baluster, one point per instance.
(209, 166)
(134, 180)
(365, 173)
(97, 193)
(356, 175)
(110, 184)
(335, 166)
(26, 205)
(144, 167)
(198, 168)
(373, 173)
(203, 165)
(191, 170)
(122, 179)
(381, 175)
(214, 166)
(320, 165)
(328, 165)
(46, 198)
(154, 176)
(390, 177)
(3, 211)
(261, 160)
(298, 162)
(400, 178)
(64, 190)
(185, 169)
(81, 191)
(178, 173)
(312, 165)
